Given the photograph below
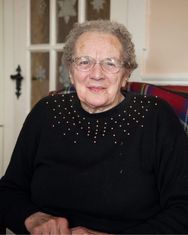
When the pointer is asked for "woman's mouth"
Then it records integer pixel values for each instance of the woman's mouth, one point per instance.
(96, 89)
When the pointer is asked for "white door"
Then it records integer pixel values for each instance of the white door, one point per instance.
(34, 32)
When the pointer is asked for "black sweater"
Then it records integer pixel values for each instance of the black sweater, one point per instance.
(124, 170)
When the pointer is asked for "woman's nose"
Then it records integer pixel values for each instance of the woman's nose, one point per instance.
(97, 72)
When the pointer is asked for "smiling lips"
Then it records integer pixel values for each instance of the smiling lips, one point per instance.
(96, 89)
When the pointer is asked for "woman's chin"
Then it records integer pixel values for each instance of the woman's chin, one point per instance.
(92, 107)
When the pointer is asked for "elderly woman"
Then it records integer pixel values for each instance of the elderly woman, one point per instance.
(98, 160)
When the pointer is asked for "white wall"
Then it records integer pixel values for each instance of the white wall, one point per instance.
(166, 48)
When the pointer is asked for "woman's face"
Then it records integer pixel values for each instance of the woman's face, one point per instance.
(98, 90)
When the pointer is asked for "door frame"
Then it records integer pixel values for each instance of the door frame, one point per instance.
(1, 87)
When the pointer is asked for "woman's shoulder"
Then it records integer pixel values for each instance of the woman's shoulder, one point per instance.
(54, 99)
(149, 106)
(155, 106)
(48, 107)
(147, 101)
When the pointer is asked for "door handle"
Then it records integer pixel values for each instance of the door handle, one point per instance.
(18, 78)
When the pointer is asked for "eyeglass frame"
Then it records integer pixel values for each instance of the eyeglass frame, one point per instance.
(101, 62)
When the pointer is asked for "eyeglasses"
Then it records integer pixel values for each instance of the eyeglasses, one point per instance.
(86, 63)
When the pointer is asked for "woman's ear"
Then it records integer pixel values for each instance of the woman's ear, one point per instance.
(70, 77)
(126, 78)
(124, 82)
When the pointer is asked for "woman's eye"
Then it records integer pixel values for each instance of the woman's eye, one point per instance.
(110, 64)
(84, 62)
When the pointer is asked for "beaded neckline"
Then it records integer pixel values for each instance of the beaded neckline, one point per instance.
(117, 123)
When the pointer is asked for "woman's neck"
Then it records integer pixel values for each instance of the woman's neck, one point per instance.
(101, 109)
